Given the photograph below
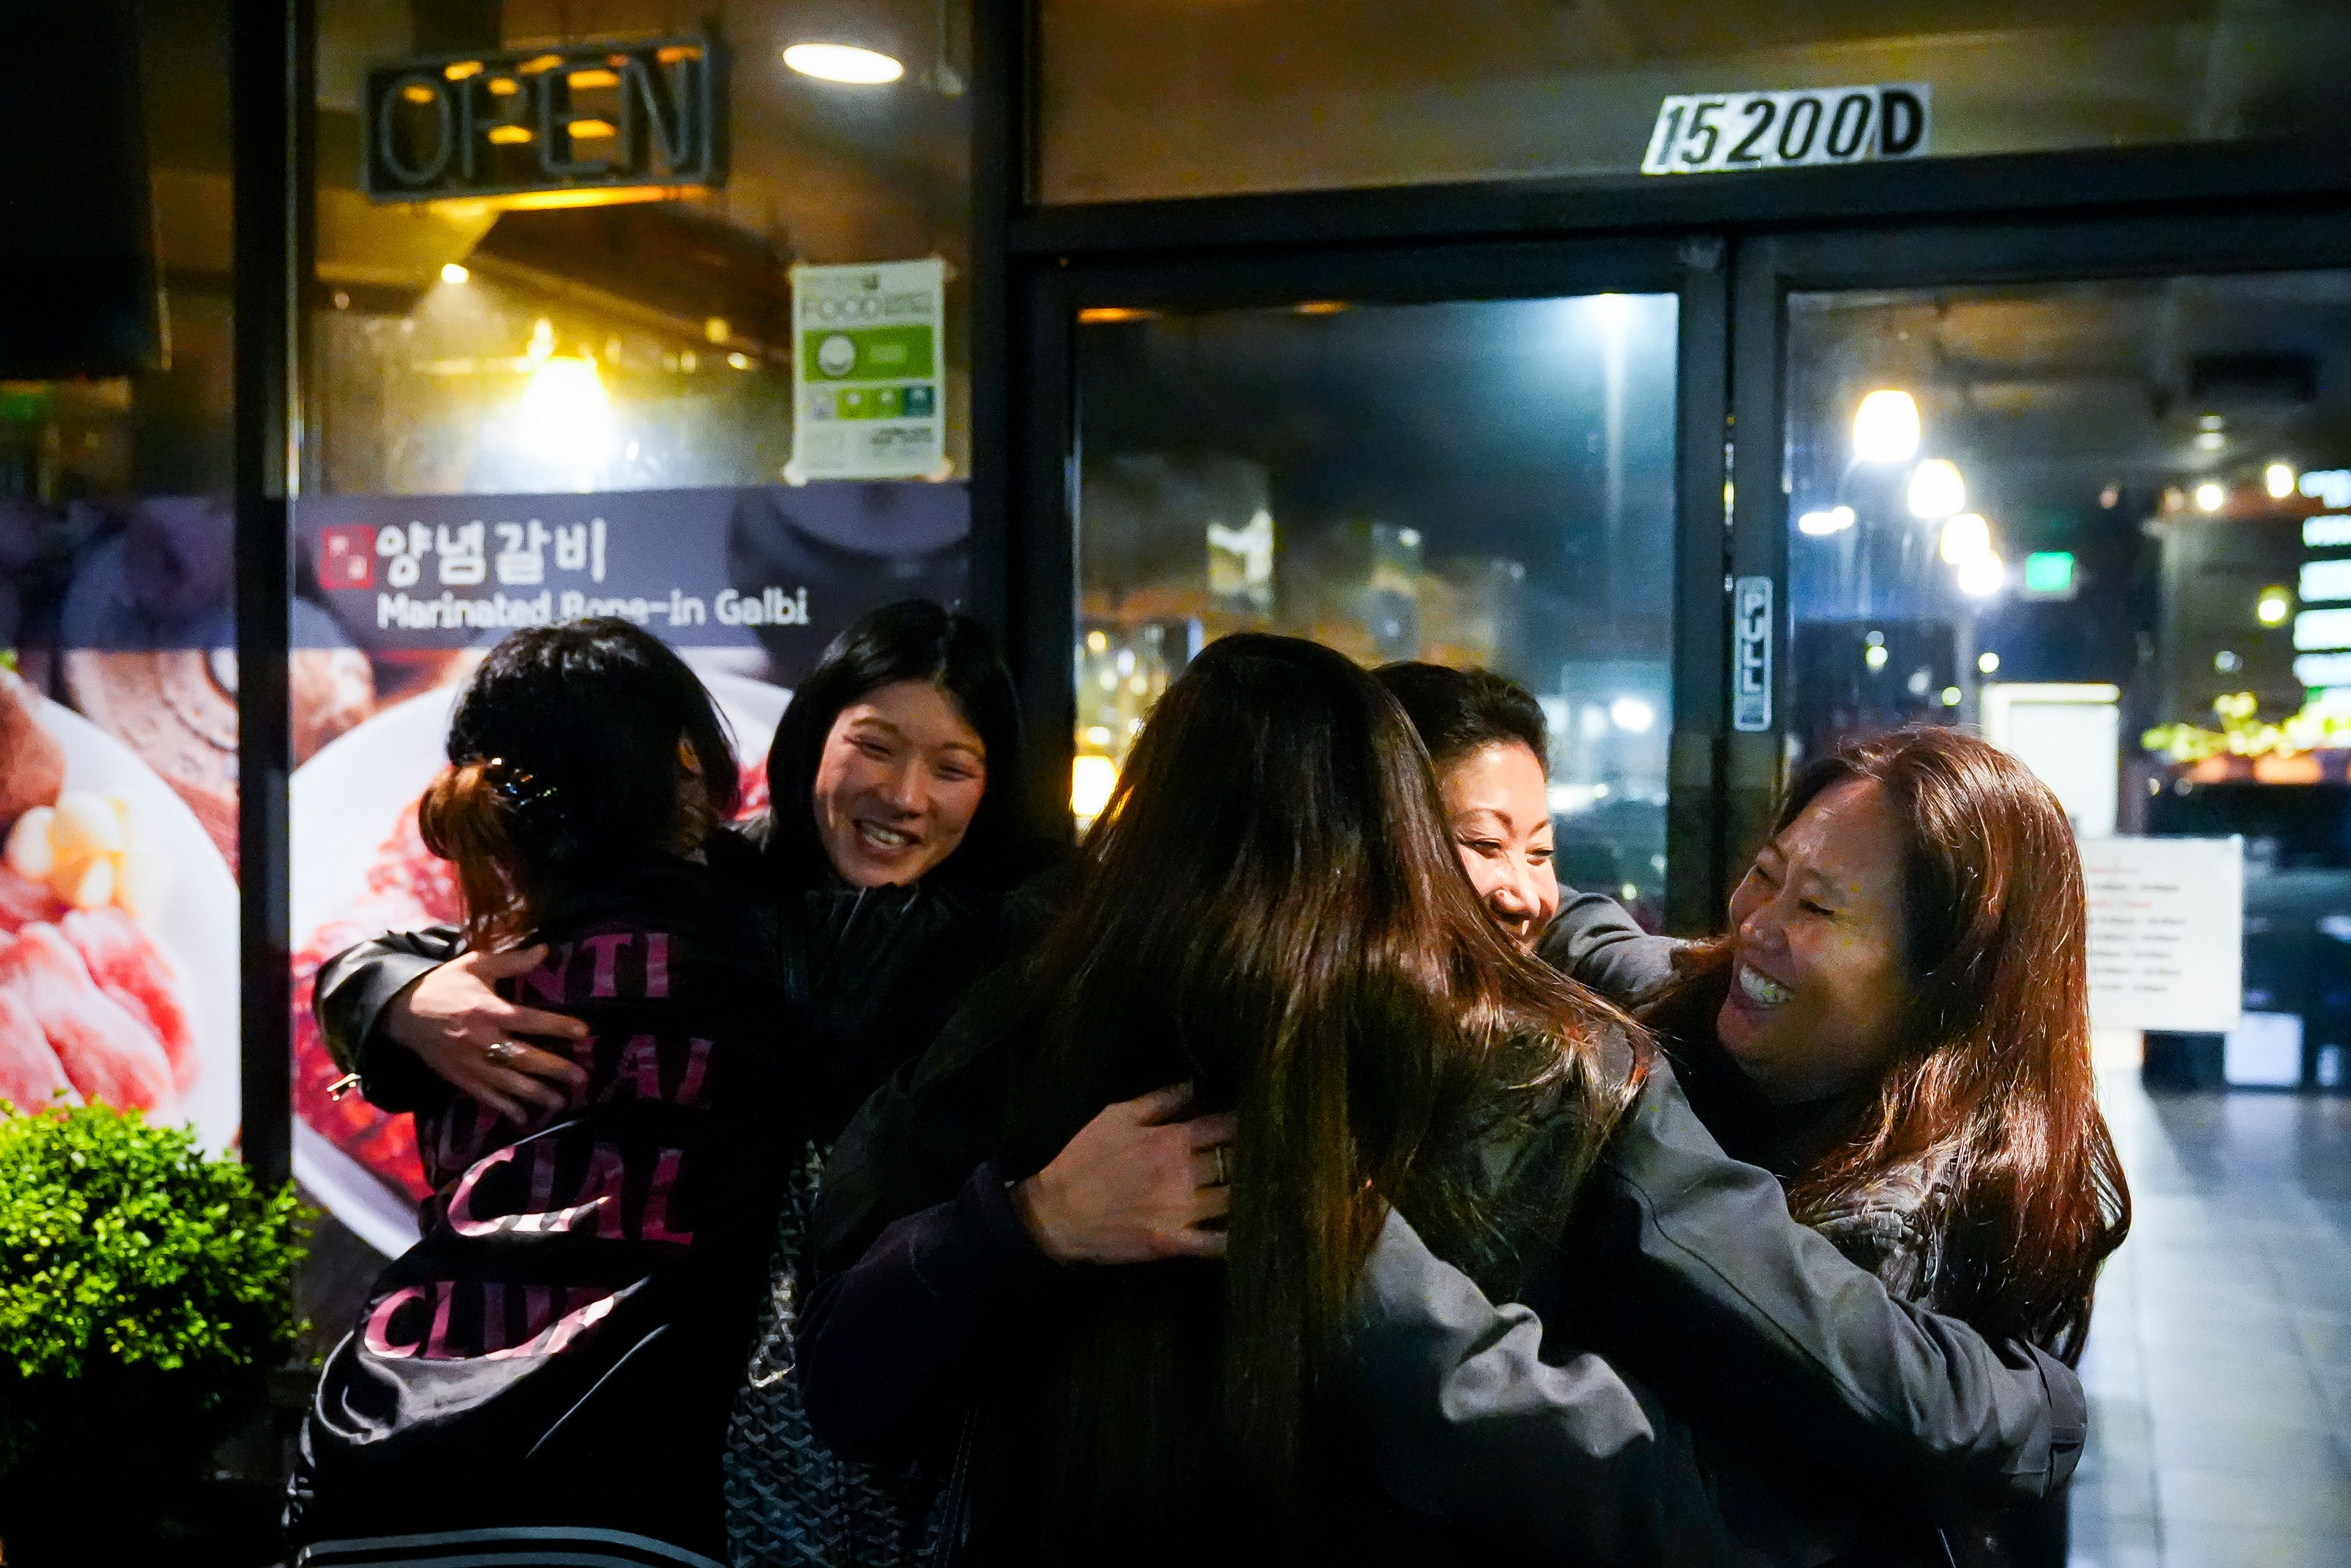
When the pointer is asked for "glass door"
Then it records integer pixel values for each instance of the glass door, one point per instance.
(1488, 477)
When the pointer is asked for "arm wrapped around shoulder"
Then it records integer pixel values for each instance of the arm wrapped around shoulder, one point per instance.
(1461, 1419)
(1702, 1282)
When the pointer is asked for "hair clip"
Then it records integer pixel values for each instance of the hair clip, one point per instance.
(519, 787)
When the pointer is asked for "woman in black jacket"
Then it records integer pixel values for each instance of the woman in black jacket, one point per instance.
(547, 1371)
(1268, 911)
(1918, 1074)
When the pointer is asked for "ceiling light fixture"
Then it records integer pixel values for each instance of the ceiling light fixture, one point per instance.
(843, 63)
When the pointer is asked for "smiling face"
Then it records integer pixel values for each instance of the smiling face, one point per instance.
(1818, 941)
(901, 777)
(1497, 809)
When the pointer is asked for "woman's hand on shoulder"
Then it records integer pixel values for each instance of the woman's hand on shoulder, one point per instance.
(1134, 1185)
(454, 1021)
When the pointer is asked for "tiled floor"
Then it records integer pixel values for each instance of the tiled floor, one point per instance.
(2219, 1359)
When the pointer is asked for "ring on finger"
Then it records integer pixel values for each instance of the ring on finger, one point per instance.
(503, 1051)
(1222, 1179)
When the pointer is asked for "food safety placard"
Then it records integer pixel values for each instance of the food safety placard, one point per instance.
(2166, 933)
(1712, 133)
(869, 392)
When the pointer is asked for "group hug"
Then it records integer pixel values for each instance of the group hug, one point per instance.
(1292, 1172)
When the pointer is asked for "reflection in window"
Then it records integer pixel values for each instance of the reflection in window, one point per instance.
(1483, 484)
(1151, 99)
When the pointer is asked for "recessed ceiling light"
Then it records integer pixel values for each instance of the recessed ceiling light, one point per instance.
(843, 63)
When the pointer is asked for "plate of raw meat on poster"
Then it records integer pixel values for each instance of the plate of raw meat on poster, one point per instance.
(118, 930)
(361, 869)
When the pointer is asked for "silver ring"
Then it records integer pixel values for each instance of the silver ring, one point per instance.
(503, 1051)
(1219, 1150)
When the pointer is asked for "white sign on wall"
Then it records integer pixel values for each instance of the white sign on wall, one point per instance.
(2070, 736)
(2166, 933)
(869, 389)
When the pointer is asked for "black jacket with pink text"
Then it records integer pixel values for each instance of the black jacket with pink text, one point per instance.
(553, 1361)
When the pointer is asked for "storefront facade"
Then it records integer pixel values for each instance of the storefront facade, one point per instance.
(1321, 319)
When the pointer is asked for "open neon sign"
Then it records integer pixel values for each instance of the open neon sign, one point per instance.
(572, 122)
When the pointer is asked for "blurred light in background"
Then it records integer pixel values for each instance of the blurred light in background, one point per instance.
(1885, 428)
(1632, 714)
(1983, 576)
(1965, 538)
(1936, 489)
(1091, 779)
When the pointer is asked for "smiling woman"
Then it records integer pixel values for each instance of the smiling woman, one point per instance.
(879, 772)
(902, 776)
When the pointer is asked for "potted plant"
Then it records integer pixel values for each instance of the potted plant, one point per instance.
(146, 1290)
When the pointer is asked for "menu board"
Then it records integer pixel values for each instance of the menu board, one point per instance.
(2166, 933)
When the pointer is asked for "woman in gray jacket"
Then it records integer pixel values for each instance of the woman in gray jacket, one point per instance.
(1896, 1025)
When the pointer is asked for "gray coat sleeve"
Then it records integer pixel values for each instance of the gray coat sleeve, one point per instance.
(1705, 1281)
(1595, 940)
(353, 989)
(1461, 1420)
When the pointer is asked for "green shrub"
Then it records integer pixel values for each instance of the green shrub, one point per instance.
(129, 1259)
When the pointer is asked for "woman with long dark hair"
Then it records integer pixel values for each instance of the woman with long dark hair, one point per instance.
(1904, 1000)
(1898, 1026)
(1921, 903)
(1268, 912)
(548, 1372)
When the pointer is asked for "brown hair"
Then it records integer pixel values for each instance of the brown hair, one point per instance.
(1996, 1077)
(1269, 910)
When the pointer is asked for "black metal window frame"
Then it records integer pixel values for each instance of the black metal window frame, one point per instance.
(2284, 235)
(1739, 243)
(1046, 455)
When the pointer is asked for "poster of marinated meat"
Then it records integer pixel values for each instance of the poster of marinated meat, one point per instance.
(117, 811)
(749, 584)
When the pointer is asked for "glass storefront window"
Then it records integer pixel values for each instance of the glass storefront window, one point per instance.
(119, 707)
(1478, 482)
(1146, 99)
(554, 393)
(2109, 522)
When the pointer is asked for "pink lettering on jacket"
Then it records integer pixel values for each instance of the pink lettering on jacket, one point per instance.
(436, 1343)
(698, 1062)
(656, 964)
(637, 1073)
(461, 1202)
(602, 1193)
(553, 974)
(376, 1336)
(607, 949)
(574, 1323)
(494, 1318)
(655, 1226)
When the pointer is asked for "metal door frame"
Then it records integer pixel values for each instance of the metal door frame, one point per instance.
(1038, 567)
(2292, 237)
